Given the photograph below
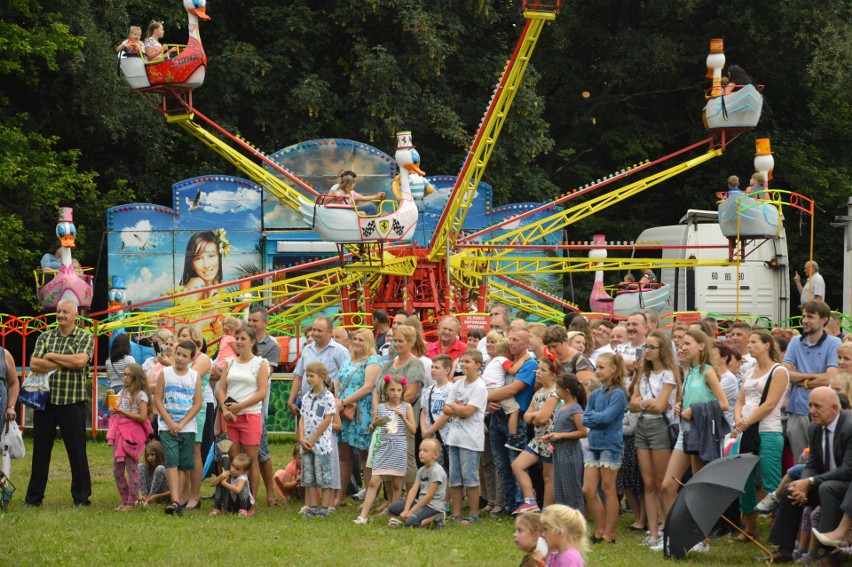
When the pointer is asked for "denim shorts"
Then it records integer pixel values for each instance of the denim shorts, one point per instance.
(464, 467)
(684, 427)
(603, 458)
(541, 458)
(316, 470)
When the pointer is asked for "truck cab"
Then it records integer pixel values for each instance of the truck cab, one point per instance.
(762, 279)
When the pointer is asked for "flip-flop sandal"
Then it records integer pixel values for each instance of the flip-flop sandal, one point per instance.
(172, 508)
(470, 519)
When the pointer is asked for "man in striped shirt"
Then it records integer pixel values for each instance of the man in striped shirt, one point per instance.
(66, 351)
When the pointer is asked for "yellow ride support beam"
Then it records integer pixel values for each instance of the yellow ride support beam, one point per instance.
(462, 195)
(263, 177)
(524, 265)
(514, 298)
(556, 222)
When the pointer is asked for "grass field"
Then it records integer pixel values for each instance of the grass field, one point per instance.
(57, 533)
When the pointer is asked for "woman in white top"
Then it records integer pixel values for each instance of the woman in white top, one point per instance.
(654, 397)
(750, 412)
(242, 388)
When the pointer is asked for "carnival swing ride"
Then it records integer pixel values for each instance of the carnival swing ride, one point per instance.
(379, 265)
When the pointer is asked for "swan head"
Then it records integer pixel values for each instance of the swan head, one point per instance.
(406, 156)
(197, 8)
(66, 232)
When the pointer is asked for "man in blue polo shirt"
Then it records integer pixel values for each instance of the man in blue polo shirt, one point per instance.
(812, 361)
(522, 388)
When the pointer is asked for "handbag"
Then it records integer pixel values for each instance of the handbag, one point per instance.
(349, 411)
(672, 429)
(750, 438)
(13, 439)
(35, 390)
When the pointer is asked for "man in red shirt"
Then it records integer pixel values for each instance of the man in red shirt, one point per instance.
(448, 340)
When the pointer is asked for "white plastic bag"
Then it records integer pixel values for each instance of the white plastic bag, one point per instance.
(13, 439)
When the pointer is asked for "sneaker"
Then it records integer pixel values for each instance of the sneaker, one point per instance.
(394, 523)
(304, 510)
(657, 546)
(770, 503)
(516, 443)
(360, 495)
(650, 541)
(360, 521)
(700, 548)
(526, 507)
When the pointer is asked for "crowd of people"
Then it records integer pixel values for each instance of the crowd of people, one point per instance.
(568, 418)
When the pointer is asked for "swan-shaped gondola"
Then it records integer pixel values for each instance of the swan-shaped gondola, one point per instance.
(67, 283)
(186, 70)
(344, 223)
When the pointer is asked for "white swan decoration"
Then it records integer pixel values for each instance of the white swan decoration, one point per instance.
(186, 70)
(341, 223)
(67, 283)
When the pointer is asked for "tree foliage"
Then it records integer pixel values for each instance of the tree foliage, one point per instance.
(281, 72)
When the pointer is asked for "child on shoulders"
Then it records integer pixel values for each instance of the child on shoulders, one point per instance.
(226, 344)
(233, 490)
(495, 376)
(425, 502)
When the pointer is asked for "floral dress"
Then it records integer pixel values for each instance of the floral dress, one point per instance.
(539, 399)
(356, 433)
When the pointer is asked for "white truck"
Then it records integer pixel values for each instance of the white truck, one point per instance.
(763, 278)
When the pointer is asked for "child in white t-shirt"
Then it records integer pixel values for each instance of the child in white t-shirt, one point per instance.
(433, 422)
(466, 405)
(494, 377)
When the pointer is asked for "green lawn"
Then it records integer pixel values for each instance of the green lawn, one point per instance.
(58, 533)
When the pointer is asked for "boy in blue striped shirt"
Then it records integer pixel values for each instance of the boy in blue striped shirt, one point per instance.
(178, 399)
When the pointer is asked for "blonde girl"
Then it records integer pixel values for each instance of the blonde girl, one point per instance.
(603, 417)
(844, 358)
(540, 414)
(654, 397)
(128, 432)
(700, 385)
(564, 530)
(395, 421)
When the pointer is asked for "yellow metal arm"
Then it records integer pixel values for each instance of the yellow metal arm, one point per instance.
(486, 138)
(263, 177)
(538, 230)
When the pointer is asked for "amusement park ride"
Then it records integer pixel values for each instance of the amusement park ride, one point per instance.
(379, 265)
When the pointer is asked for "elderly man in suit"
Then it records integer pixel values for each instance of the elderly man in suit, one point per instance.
(826, 477)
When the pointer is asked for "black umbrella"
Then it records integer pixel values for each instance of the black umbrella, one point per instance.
(702, 501)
